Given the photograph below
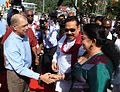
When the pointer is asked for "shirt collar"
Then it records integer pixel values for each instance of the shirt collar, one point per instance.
(18, 37)
(109, 36)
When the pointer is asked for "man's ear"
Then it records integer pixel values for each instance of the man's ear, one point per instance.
(14, 27)
(94, 41)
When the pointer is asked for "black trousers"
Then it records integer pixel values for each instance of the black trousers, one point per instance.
(47, 59)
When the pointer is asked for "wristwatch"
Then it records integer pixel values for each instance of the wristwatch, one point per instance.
(39, 81)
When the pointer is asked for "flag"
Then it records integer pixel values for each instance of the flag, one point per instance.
(7, 3)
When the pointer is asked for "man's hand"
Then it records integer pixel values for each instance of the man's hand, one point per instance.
(46, 78)
(54, 66)
(57, 77)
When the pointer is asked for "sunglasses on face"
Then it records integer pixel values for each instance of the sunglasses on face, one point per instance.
(30, 15)
(71, 30)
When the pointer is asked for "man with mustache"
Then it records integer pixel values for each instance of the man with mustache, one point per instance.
(68, 49)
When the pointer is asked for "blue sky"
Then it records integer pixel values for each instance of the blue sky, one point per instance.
(2, 1)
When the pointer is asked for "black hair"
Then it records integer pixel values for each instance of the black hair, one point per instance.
(72, 18)
(53, 15)
(10, 14)
(100, 18)
(92, 19)
(16, 2)
(62, 15)
(94, 31)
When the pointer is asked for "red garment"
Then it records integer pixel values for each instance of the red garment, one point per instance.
(32, 38)
(34, 86)
(29, 33)
(7, 33)
(74, 49)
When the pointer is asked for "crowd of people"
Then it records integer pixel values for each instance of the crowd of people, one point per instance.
(60, 53)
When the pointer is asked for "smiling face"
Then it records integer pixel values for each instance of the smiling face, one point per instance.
(72, 30)
(87, 43)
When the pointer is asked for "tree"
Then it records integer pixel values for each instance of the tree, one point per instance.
(113, 9)
(50, 5)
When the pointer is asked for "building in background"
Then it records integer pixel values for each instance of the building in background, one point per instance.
(29, 6)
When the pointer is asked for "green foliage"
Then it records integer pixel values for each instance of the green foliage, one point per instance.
(113, 10)
(50, 5)
(88, 7)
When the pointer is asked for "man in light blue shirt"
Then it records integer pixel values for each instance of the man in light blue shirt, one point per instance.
(18, 57)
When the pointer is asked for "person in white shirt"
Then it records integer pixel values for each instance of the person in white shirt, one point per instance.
(116, 74)
(68, 49)
(107, 24)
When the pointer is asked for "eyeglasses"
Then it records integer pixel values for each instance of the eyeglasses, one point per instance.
(30, 15)
(71, 30)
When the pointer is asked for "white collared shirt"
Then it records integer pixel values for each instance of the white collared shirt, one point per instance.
(117, 43)
(109, 36)
(64, 63)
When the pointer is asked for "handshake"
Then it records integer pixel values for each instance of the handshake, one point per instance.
(51, 78)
